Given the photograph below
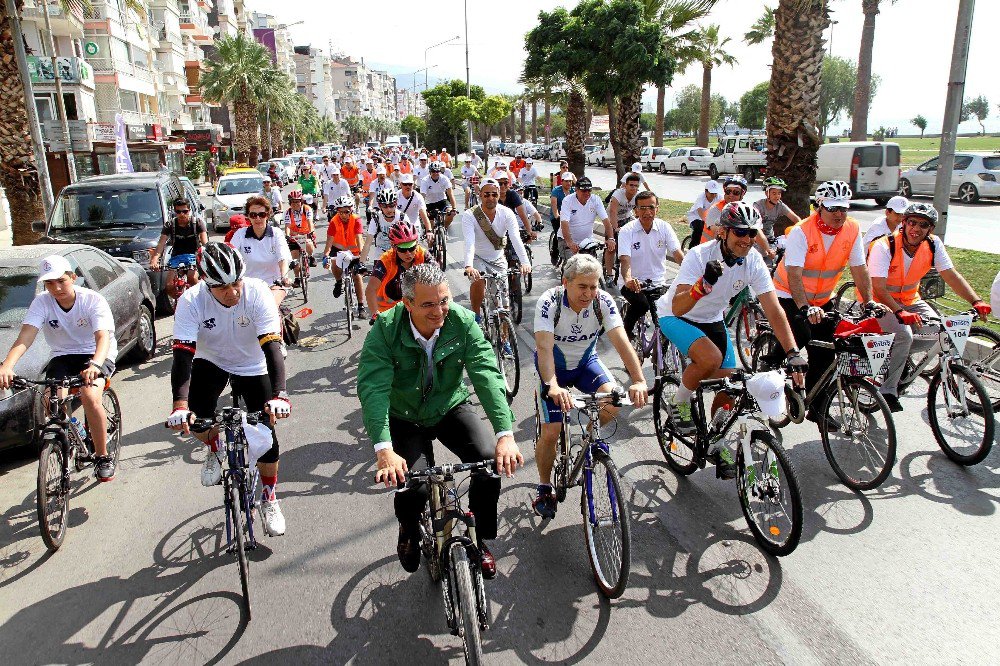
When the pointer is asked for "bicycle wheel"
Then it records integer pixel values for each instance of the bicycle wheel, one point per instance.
(678, 452)
(673, 361)
(235, 509)
(964, 434)
(769, 494)
(526, 279)
(845, 301)
(304, 277)
(440, 248)
(349, 304)
(507, 355)
(466, 606)
(763, 349)
(686, 243)
(516, 301)
(863, 450)
(114, 416)
(53, 492)
(746, 333)
(639, 339)
(606, 526)
(982, 356)
(554, 250)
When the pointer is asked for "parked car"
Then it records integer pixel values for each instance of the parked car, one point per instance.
(590, 152)
(652, 158)
(265, 167)
(606, 153)
(976, 175)
(123, 282)
(121, 214)
(231, 195)
(683, 160)
(870, 168)
(742, 154)
(557, 150)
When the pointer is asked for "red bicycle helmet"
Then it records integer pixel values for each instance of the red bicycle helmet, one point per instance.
(295, 195)
(402, 232)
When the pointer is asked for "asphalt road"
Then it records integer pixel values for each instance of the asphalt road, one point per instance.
(972, 226)
(900, 574)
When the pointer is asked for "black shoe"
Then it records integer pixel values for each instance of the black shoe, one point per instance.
(893, 403)
(831, 423)
(362, 312)
(104, 468)
(408, 548)
(545, 502)
(489, 563)
(338, 289)
(725, 468)
(312, 262)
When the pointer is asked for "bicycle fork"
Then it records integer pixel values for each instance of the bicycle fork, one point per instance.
(588, 488)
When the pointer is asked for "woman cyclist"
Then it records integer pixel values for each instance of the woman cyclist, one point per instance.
(385, 287)
(263, 248)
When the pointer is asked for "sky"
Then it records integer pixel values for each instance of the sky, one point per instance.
(913, 42)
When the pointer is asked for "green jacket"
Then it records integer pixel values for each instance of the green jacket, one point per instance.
(308, 184)
(393, 365)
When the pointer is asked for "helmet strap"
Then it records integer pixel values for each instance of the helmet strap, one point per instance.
(727, 256)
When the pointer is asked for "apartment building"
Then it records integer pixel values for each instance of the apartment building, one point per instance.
(314, 77)
(270, 32)
(360, 91)
(410, 103)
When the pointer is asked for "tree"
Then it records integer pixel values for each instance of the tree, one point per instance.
(978, 107)
(449, 109)
(753, 106)
(793, 97)
(490, 112)
(864, 91)
(920, 122)
(647, 122)
(711, 54)
(839, 80)
(413, 126)
(762, 29)
(240, 73)
(687, 113)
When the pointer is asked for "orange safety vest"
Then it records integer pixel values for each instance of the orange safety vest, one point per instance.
(446, 158)
(304, 227)
(342, 233)
(350, 174)
(366, 180)
(516, 166)
(405, 167)
(388, 260)
(904, 285)
(822, 267)
(708, 233)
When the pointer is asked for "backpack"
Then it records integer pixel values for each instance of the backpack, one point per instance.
(290, 329)
(597, 311)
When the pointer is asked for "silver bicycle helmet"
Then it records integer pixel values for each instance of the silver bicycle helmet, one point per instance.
(740, 215)
(220, 264)
(833, 189)
(926, 211)
(344, 201)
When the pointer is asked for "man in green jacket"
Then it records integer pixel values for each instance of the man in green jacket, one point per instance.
(410, 383)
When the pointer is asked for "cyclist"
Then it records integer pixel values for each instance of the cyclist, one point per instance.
(299, 221)
(185, 237)
(444, 158)
(886, 224)
(384, 288)
(699, 210)
(563, 170)
(511, 199)
(334, 187)
(569, 319)
(368, 175)
(345, 236)
(411, 205)
(380, 222)
(326, 171)
(272, 193)
(530, 212)
(577, 215)
(517, 164)
(438, 194)
(775, 214)
(643, 247)
(264, 249)
(691, 312)
(352, 175)
(309, 184)
(236, 222)
(816, 252)
(487, 228)
(897, 263)
(559, 192)
(405, 165)
(407, 404)
(79, 330)
(226, 331)
(422, 169)
(527, 177)
(468, 187)
(622, 200)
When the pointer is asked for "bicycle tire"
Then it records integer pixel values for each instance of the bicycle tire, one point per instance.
(52, 494)
(639, 335)
(526, 279)
(746, 330)
(554, 257)
(516, 300)
(304, 277)
(349, 304)
(678, 452)
(686, 243)
(778, 468)
(560, 469)
(611, 571)
(466, 605)
(505, 361)
(851, 453)
(113, 410)
(236, 513)
(844, 301)
(987, 428)
(987, 366)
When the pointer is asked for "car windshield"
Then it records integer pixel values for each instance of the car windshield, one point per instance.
(18, 286)
(95, 209)
(241, 186)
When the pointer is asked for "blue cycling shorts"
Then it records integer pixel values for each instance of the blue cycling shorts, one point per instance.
(188, 259)
(683, 334)
(587, 377)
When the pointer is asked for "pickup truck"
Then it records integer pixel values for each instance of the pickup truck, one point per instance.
(739, 154)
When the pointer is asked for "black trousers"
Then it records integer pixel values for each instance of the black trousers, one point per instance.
(819, 359)
(464, 434)
(638, 306)
(696, 228)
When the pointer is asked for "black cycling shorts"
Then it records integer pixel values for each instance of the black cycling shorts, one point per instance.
(433, 208)
(71, 365)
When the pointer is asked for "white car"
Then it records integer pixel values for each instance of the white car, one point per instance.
(230, 196)
(683, 161)
(976, 175)
(590, 153)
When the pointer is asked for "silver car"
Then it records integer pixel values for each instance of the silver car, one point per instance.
(976, 175)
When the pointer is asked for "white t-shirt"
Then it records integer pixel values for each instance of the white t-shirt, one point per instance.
(879, 259)
(375, 187)
(648, 251)
(468, 172)
(73, 332)
(713, 215)
(625, 206)
(411, 208)
(477, 161)
(577, 333)
(527, 176)
(711, 307)
(581, 217)
(796, 247)
(334, 190)
(420, 172)
(326, 171)
(477, 244)
(274, 196)
(262, 256)
(227, 337)
(995, 294)
(701, 203)
(378, 227)
(434, 191)
(879, 228)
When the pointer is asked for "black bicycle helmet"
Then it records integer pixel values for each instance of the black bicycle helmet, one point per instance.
(740, 215)
(926, 211)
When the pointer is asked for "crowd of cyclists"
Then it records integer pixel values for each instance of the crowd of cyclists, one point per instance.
(421, 346)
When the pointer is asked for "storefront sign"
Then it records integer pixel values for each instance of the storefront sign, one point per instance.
(600, 125)
(136, 132)
(102, 132)
(123, 161)
(53, 135)
(68, 69)
(154, 132)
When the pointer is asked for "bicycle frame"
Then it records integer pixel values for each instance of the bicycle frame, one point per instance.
(239, 474)
(582, 465)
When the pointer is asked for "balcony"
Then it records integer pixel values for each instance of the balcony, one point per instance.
(195, 23)
(132, 117)
(64, 24)
(119, 66)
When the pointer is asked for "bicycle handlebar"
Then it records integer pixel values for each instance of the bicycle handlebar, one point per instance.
(450, 469)
(226, 416)
(68, 382)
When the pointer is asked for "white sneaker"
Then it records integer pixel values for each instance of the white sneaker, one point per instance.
(272, 518)
(211, 471)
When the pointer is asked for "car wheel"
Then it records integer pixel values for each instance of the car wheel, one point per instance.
(164, 304)
(967, 193)
(684, 169)
(145, 346)
(905, 189)
(663, 167)
(713, 172)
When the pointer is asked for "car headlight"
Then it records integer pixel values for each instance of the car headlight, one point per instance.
(141, 256)
(221, 207)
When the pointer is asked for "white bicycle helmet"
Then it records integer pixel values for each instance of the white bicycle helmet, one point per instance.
(740, 215)
(833, 189)
(344, 201)
(386, 196)
(220, 264)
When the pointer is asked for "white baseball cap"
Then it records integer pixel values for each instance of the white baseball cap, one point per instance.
(569, 175)
(423, 156)
(380, 170)
(405, 178)
(768, 389)
(713, 187)
(53, 267)
(529, 161)
(335, 171)
(897, 204)
(637, 167)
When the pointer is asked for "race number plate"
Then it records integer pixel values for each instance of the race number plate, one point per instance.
(958, 330)
(877, 348)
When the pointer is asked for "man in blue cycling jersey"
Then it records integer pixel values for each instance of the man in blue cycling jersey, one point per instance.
(568, 321)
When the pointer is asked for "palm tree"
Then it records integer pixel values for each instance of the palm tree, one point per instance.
(712, 53)
(240, 73)
(863, 90)
(762, 29)
(793, 97)
(577, 124)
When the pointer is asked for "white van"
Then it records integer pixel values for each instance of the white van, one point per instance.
(870, 168)
(391, 141)
(605, 155)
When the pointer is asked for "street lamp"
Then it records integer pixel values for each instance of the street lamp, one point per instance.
(830, 48)
(468, 84)
(447, 41)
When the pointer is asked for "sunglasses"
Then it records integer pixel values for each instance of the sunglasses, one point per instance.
(837, 209)
(184, 211)
(489, 194)
(257, 216)
(744, 233)
(923, 224)
(412, 248)
(736, 190)
(645, 207)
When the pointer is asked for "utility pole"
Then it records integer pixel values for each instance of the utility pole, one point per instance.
(60, 102)
(44, 182)
(468, 83)
(953, 113)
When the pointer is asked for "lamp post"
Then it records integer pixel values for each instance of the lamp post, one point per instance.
(468, 83)
(447, 41)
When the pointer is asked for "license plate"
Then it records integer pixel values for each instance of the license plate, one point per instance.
(867, 187)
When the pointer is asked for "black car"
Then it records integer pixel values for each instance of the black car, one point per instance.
(122, 215)
(122, 282)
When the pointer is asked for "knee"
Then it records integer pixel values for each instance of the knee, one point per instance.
(705, 354)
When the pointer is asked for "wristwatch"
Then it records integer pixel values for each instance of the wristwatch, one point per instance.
(95, 364)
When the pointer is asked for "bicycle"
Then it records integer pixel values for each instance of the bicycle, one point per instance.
(518, 283)
(531, 194)
(300, 266)
(500, 331)
(440, 250)
(932, 287)
(66, 447)
(588, 464)
(746, 317)
(351, 298)
(855, 422)
(649, 341)
(766, 482)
